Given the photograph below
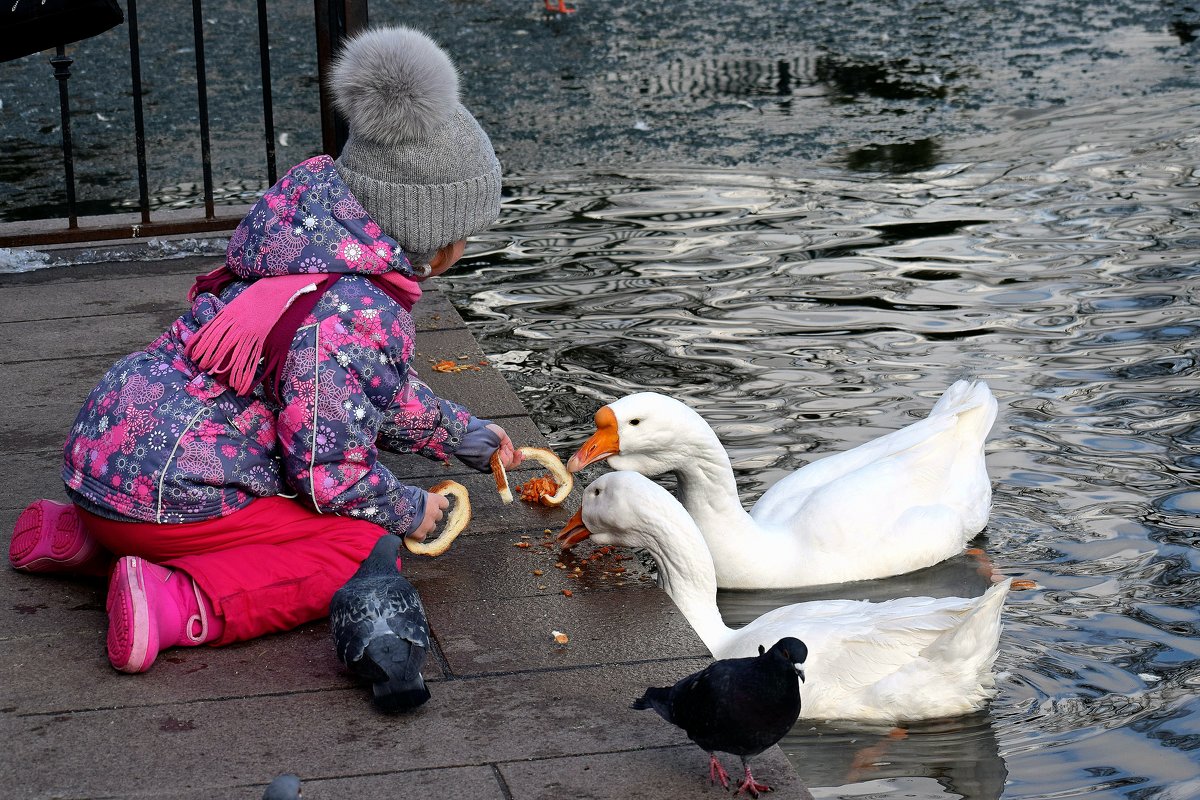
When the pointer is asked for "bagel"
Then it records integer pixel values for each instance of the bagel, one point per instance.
(501, 477)
(459, 516)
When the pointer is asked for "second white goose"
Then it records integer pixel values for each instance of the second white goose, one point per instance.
(900, 660)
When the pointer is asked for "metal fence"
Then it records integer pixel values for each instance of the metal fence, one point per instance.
(333, 20)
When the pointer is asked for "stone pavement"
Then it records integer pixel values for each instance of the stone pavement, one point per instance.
(514, 715)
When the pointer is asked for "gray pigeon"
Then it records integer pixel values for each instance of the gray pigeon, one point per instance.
(736, 705)
(285, 787)
(379, 629)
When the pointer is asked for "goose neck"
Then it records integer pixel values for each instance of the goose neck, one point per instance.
(687, 574)
(707, 488)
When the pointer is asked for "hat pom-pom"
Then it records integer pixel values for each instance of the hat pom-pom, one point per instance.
(394, 85)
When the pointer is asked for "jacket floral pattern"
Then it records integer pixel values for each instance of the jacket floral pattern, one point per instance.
(159, 440)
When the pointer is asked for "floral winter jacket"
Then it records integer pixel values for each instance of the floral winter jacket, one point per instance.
(159, 440)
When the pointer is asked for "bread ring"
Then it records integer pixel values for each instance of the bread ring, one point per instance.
(501, 477)
(557, 471)
(459, 516)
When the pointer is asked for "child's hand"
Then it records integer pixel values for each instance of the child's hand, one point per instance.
(509, 457)
(435, 508)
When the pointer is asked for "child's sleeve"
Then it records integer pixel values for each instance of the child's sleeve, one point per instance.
(336, 393)
(418, 421)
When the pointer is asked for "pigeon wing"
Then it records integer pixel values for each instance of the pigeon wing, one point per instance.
(365, 609)
(697, 704)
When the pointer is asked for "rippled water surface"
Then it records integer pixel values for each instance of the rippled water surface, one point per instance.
(804, 315)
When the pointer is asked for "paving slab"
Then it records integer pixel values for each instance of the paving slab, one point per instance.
(236, 741)
(81, 337)
(658, 772)
(621, 626)
(476, 783)
(477, 388)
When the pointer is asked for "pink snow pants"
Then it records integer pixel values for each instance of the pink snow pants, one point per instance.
(265, 568)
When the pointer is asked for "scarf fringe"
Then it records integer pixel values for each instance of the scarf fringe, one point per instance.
(229, 350)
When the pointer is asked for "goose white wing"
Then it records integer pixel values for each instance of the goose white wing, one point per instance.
(873, 660)
(904, 625)
(782, 503)
(946, 448)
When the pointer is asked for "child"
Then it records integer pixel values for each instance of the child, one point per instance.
(231, 465)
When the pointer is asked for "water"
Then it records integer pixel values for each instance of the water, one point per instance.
(881, 84)
(803, 315)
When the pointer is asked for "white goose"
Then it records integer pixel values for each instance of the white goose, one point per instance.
(904, 501)
(900, 660)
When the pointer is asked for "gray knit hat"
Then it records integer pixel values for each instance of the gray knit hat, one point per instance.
(416, 159)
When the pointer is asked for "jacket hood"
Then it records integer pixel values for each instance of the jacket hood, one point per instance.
(310, 223)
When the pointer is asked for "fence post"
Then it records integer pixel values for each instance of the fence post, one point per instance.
(336, 20)
(62, 72)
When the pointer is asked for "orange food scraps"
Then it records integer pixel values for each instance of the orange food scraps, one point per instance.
(567, 593)
(453, 366)
(560, 637)
(537, 490)
(1023, 583)
(538, 572)
(560, 484)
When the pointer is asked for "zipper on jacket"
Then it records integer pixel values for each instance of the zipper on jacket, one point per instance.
(312, 459)
(162, 478)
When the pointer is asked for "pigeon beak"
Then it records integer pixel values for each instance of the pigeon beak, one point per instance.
(573, 532)
(600, 445)
(799, 671)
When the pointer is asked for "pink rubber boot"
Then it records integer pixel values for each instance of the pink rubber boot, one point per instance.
(49, 537)
(151, 608)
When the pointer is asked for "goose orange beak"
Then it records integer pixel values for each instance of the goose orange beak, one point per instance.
(573, 532)
(600, 445)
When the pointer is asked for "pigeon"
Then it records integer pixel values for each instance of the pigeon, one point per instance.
(736, 705)
(379, 629)
(285, 787)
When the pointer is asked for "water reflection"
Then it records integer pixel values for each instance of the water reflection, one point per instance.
(899, 157)
(949, 759)
(805, 316)
(901, 79)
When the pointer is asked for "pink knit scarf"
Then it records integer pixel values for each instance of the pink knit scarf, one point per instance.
(261, 322)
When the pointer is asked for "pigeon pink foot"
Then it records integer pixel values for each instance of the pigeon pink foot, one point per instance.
(751, 786)
(717, 773)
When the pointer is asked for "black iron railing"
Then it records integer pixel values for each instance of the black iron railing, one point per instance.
(334, 21)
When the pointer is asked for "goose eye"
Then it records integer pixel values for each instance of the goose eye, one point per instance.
(635, 422)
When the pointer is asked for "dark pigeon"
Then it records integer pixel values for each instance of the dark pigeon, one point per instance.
(379, 629)
(285, 787)
(737, 705)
